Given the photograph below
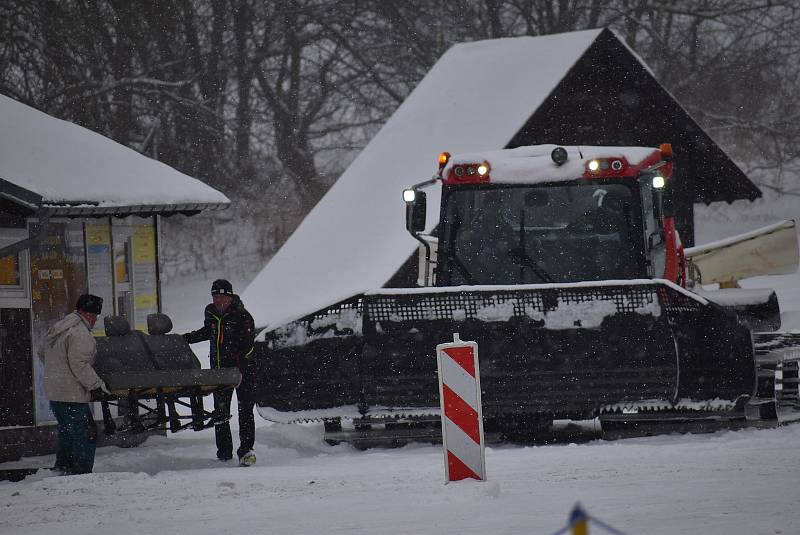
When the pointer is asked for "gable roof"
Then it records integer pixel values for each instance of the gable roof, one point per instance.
(71, 170)
(480, 95)
(610, 97)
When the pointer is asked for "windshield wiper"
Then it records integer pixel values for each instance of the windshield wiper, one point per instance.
(455, 259)
(463, 269)
(520, 256)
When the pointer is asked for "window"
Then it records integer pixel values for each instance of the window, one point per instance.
(9, 271)
(545, 233)
(14, 271)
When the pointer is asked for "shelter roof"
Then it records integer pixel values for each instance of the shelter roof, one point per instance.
(72, 171)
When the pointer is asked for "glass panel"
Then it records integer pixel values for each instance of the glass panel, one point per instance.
(9, 271)
(14, 271)
(540, 234)
(99, 268)
(135, 269)
(123, 298)
(58, 277)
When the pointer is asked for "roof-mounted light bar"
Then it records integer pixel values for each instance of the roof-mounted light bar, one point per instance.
(605, 167)
(469, 173)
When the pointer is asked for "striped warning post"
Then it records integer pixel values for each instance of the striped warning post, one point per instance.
(462, 418)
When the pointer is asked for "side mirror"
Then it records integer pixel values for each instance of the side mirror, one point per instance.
(416, 207)
(654, 239)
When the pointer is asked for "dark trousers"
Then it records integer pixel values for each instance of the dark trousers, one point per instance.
(247, 424)
(77, 434)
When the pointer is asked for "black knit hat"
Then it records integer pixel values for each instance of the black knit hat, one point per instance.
(222, 287)
(90, 303)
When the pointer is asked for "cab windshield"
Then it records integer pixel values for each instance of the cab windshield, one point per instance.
(543, 233)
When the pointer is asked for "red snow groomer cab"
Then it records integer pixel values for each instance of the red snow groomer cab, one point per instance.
(547, 214)
(564, 265)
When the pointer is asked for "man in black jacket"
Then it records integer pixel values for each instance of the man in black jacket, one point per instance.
(231, 331)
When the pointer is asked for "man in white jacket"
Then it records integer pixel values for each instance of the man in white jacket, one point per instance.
(68, 352)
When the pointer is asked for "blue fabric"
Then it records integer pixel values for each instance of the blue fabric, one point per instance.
(77, 434)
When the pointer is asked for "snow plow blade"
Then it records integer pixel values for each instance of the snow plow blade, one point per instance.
(563, 351)
(756, 308)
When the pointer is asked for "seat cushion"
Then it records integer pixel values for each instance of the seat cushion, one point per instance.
(158, 324)
(120, 353)
(171, 352)
(116, 326)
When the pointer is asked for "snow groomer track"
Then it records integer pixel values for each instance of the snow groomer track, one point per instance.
(777, 364)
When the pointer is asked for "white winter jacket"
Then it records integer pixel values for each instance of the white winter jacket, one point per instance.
(68, 353)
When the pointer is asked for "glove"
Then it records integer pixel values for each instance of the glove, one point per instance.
(104, 388)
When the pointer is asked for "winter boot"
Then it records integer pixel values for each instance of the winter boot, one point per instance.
(248, 459)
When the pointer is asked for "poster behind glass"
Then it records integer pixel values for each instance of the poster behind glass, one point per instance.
(99, 269)
(135, 270)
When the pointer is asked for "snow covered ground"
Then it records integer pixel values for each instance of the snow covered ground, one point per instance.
(742, 482)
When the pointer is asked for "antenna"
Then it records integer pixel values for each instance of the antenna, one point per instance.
(579, 152)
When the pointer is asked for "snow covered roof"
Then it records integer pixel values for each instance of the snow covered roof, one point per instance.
(76, 171)
(533, 164)
(477, 96)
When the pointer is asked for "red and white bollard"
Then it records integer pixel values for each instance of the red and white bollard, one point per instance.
(462, 417)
